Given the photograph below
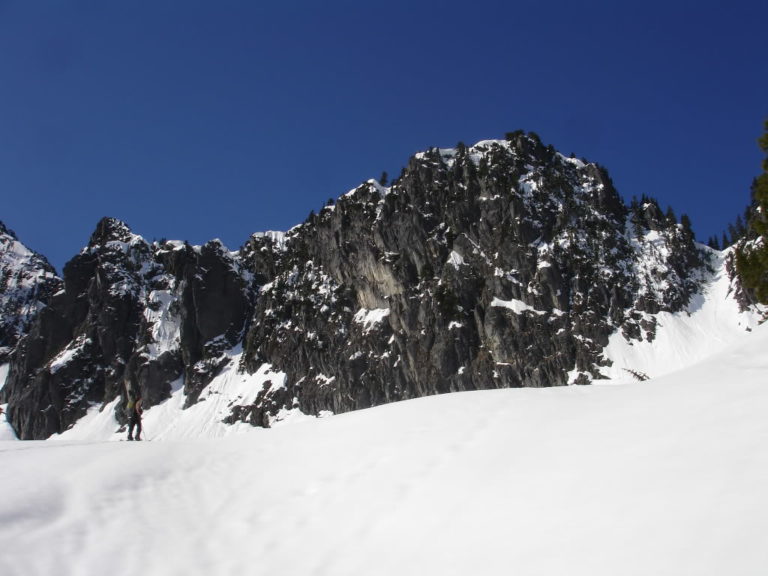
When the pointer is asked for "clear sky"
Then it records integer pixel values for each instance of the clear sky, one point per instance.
(196, 120)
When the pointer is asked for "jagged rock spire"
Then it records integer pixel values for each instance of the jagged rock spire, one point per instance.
(110, 230)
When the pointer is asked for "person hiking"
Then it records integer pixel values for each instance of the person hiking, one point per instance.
(134, 410)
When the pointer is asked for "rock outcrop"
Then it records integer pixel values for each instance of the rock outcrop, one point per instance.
(27, 282)
(131, 315)
(501, 265)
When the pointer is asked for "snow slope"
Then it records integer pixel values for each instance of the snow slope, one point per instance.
(664, 477)
(170, 421)
(711, 322)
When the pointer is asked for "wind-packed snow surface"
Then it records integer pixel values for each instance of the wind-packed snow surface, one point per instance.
(663, 477)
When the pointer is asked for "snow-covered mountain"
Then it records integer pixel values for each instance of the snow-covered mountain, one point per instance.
(710, 324)
(481, 270)
(131, 314)
(504, 264)
(27, 282)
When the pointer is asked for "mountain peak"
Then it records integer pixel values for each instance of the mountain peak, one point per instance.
(7, 231)
(110, 230)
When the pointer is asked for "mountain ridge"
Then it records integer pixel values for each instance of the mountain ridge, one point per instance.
(503, 264)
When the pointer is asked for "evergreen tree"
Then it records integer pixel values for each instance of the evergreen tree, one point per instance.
(752, 260)
(685, 222)
(384, 178)
(638, 224)
(750, 234)
(733, 233)
(741, 228)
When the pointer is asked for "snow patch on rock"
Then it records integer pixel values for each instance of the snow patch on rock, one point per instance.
(517, 306)
(370, 318)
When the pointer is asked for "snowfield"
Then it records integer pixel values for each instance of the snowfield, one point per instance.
(661, 477)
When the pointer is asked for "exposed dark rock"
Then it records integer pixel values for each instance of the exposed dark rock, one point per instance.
(504, 264)
(132, 315)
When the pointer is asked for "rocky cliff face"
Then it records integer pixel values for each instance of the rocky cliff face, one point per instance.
(27, 282)
(501, 264)
(131, 315)
(504, 264)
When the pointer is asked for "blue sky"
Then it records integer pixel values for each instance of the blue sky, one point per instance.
(198, 120)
